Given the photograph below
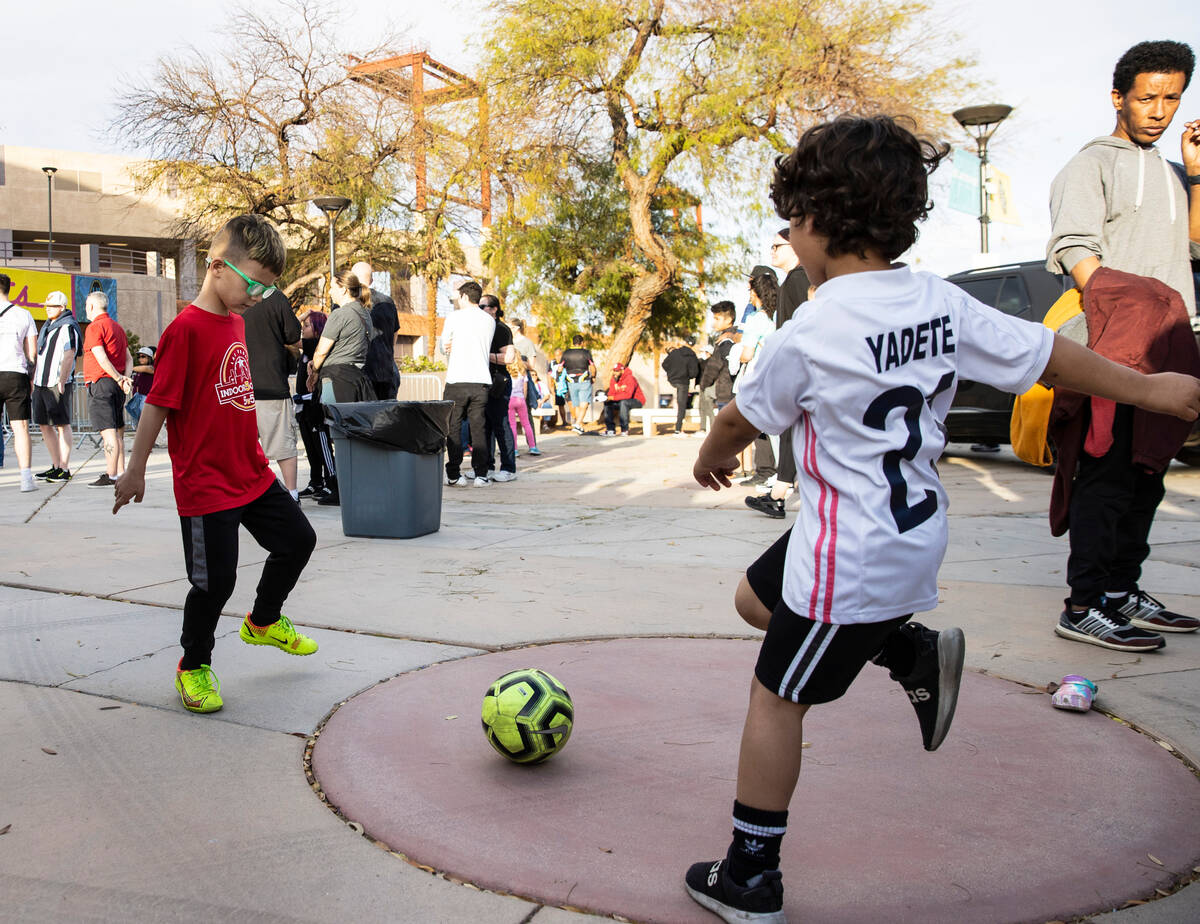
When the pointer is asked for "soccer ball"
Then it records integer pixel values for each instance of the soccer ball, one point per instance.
(527, 716)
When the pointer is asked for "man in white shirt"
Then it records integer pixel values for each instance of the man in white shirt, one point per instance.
(58, 343)
(466, 341)
(18, 351)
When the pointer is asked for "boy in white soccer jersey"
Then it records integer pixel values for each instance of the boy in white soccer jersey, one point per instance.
(865, 372)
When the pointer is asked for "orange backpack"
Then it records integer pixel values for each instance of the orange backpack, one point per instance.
(1031, 411)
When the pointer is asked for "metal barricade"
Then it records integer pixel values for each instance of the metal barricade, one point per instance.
(420, 386)
(81, 420)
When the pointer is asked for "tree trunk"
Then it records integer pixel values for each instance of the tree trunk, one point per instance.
(649, 283)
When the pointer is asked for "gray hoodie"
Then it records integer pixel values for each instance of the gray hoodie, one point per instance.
(1128, 206)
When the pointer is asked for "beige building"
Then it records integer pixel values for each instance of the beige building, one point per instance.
(101, 228)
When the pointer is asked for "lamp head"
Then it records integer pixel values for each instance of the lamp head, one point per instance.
(331, 205)
(49, 171)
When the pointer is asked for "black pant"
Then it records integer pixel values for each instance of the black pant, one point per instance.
(469, 400)
(321, 470)
(495, 422)
(764, 457)
(1113, 503)
(681, 405)
(621, 409)
(210, 552)
(385, 391)
(787, 458)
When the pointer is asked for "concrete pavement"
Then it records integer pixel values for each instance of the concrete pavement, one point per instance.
(144, 812)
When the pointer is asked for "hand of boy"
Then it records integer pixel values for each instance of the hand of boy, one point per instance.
(130, 486)
(1173, 393)
(714, 475)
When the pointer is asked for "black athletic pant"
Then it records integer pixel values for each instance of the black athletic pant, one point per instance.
(316, 443)
(210, 552)
(787, 458)
(499, 433)
(1113, 503)
(469, 399)
(681, 408)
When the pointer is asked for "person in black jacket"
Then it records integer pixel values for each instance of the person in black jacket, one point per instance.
(682, 367)
(716, 371)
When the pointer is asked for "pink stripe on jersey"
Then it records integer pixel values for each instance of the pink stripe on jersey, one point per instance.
(823, 584)
(831, 551)
(810, 470)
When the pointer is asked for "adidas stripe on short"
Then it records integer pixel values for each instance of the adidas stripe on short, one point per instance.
(801, 659)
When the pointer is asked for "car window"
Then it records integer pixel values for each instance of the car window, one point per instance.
(1014, 297)
(985, 290)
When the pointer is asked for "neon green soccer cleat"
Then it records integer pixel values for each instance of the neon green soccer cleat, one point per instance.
(281, 633)
(200, 689)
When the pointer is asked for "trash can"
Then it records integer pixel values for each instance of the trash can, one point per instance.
(389, 465)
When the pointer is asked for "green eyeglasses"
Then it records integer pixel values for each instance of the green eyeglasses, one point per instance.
(253, 288)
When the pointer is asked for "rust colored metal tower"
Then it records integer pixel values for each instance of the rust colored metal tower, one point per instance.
(422, 82)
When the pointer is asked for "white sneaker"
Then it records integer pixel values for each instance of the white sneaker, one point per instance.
(461, 481)
(27, 483)
(491, 474)
(502, 476)
(481, 482)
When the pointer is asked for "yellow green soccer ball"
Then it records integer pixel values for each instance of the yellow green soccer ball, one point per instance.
(527, 716)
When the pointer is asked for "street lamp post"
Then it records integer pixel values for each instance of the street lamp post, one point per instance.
(980, 122)
(50, 171)
(332, 207)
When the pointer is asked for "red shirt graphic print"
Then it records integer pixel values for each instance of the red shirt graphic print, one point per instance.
(202, 376)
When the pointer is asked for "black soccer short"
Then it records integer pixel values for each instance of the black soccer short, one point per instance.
(803, 660)
(14, 394)
(106, 404)
(50, 408)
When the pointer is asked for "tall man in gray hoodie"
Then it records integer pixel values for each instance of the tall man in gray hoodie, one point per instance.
(1120, 203)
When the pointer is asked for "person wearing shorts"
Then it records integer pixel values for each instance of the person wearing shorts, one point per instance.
(59, 342)
(273, 342)
(581, 370)
(106, 361)
(18, 348)
(863, 379)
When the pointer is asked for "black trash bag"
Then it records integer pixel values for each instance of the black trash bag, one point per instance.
(412, 426)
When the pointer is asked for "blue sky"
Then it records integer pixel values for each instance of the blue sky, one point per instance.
(1051, 61)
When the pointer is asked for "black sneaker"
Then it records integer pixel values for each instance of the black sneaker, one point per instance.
(1107, 627)
(313, 490)
(765, 503)
(1143, 611)
(102, 482)
(329, 499)
(48, 474)
(932, 685)
(60, 475)
(761, 899)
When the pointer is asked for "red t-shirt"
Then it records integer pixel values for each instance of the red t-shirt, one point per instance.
(202, 376)
(105, 332)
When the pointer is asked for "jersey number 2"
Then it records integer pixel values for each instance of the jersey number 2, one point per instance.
(910, 398)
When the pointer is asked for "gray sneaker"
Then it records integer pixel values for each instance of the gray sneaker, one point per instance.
(1104, 626)
(1143, 611)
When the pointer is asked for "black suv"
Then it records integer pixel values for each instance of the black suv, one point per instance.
(980, 413)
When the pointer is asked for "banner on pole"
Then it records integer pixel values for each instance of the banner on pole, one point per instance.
(964, 182)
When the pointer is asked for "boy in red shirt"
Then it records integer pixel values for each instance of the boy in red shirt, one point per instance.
(202, 390)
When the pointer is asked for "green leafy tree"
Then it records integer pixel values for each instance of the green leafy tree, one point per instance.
(269, 124)
(673, 95)
(577, 259)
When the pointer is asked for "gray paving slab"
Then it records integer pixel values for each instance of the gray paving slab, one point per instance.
(145, 814)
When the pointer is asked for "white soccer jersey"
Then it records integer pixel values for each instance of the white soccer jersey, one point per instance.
(867, 371)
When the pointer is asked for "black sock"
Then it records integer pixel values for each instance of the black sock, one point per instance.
(898, 655)
(757, 835)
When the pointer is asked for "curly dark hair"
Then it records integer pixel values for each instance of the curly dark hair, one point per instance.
(766, 287)
(1153, 58)
(863, 181)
